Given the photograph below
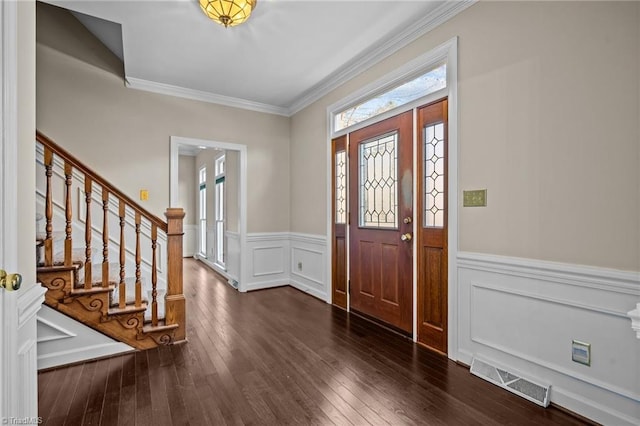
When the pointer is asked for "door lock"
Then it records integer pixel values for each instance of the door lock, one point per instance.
(10, 282)
(407, 220)
(406, 237)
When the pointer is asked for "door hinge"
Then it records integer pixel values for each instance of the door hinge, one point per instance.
(349, 287)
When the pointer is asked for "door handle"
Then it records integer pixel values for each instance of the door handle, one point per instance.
(10, 282)
(406, 237)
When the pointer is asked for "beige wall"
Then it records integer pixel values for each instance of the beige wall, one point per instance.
(548, 109)
(187, 187)
(124, 134)
(26, 92)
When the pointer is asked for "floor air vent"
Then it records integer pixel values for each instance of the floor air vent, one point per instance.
(511, 382)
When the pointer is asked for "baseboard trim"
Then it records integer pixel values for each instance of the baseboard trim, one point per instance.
(83, 354)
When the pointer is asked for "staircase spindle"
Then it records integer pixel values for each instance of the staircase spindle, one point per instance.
(122, 288)
(68, 209)
(138, 259)
(88, 276)
(154, 275)
(105, 237)
(48, 242)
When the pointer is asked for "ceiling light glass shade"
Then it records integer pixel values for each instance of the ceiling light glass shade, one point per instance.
(228, 12)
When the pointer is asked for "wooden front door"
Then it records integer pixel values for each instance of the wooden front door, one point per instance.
(432, 225)
(381, 214)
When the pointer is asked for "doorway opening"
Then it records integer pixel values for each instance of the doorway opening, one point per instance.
(225, 202)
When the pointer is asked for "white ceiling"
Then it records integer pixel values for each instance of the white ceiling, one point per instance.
(287, 55)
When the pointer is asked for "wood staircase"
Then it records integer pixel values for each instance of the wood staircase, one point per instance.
(103, 296)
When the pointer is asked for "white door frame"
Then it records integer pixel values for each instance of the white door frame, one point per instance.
(176, 142)
(446, 52)
(8, 203)
(18, 309)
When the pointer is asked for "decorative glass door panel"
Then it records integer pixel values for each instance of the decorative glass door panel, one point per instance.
(434, 159)
(379, 182)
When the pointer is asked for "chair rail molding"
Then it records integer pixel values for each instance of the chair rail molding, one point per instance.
(524, 314)
(634, 315)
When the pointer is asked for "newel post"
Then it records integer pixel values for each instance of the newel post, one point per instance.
(174, 300)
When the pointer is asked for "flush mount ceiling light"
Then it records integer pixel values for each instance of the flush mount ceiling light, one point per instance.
(228, 12)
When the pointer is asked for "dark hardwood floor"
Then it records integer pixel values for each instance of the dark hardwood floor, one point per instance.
(276, 357)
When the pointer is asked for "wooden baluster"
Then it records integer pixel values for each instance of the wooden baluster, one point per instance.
(122, 288)
(175, 301)
(48, 212)
(154, 275)
(138, 259)
(105, 237)
(68, 209)
(88, 276)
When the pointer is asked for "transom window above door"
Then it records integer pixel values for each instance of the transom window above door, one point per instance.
(433, 80)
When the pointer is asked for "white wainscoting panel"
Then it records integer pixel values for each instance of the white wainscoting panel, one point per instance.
(267, 260)
(63, 340)
(309, 264)
(189, 240)
(283, 258)
(233, 257)
(523, 314)
(29, 302)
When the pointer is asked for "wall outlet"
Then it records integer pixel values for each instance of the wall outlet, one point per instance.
(299, 266)
(581, 352)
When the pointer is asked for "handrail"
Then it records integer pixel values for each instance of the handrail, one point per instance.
(58, 150)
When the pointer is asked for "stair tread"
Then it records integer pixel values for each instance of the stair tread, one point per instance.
(128, 309)
(149, 328)
(81, 291)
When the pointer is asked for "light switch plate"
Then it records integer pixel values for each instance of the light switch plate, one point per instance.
(581, 352)
(475, 198)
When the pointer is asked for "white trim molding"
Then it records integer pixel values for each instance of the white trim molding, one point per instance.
(276, 259)
(367, 59)
(63, 340)
(199, 95)
(634, 315)
(357, 65)
(308, 262)
(525, 314)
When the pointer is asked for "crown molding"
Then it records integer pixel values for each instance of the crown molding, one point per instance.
(357, 65)
(199, 95)
(368, 58)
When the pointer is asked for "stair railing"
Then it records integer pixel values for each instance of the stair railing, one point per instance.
(174, 299)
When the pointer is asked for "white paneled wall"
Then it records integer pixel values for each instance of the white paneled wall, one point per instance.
(267, 261)
(523, 315)
(278, 259)
(308, 265)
